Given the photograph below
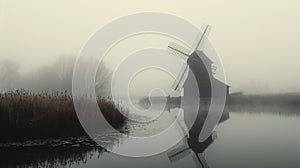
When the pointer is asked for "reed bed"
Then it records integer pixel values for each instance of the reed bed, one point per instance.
(25, 115)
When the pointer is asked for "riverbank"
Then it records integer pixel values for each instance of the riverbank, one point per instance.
(25, 116)
(286, 104)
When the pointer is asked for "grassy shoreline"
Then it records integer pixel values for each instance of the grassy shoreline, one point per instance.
(25, 115)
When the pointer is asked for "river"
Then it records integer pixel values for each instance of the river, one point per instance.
(247, 139)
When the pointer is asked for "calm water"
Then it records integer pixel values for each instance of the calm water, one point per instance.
(257, 140)
(245, 140)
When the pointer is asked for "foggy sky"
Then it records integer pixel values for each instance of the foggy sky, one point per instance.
(257, 40)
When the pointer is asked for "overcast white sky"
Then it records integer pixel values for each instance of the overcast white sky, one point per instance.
(258, 40)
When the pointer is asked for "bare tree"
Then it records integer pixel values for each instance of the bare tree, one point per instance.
(9, 74)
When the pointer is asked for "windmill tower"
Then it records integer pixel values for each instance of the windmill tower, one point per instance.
(200, 67)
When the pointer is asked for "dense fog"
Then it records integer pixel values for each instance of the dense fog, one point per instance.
(55, 77)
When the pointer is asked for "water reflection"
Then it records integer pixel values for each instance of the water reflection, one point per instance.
(52, 152)
(62, 154)
(183, 156)
(72, 152)
(256, 139)
(248, 139)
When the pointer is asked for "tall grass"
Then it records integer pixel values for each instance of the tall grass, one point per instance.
(25, 115)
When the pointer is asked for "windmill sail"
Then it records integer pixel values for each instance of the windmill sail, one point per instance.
(179, 50)
(179, 81)
(202, 37)
(184, 53)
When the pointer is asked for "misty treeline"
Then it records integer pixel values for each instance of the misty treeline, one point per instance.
(38, 104)
(275, 103)
(51, 78)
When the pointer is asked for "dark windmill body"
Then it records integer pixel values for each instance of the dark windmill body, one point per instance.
(198, 68)
(201, 68)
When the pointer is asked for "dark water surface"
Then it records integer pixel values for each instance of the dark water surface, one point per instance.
(260, 140)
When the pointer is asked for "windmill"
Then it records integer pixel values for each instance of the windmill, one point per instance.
(186, 54)
(196, 64)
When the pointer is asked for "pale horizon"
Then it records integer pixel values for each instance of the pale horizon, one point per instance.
(256, 40)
